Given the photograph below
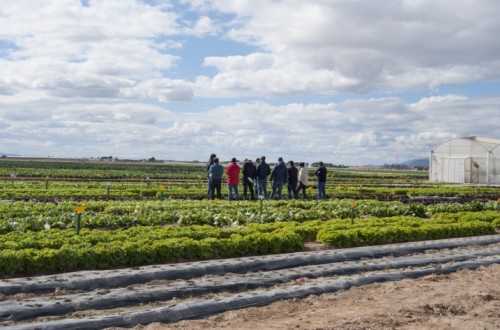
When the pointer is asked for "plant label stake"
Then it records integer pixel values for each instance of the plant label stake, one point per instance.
(162, 187)
(13, 176)
(353, 206)
(107, 188)
(79, 209)
(261, 198)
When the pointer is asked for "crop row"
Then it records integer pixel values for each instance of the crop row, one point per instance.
(99, 170)
(56, 238)
(20, 190)
(156, 170)
(62, 250)
(36, 216)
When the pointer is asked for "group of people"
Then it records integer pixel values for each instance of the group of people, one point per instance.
(255, 177)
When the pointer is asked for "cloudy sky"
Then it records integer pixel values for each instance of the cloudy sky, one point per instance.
(344, 81)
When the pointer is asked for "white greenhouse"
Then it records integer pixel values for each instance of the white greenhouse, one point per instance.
(466, 160)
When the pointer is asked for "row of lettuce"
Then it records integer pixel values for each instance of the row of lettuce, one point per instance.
(55, 250)
(37, 216)
(19, 190)
(96, 170)
(162, 170)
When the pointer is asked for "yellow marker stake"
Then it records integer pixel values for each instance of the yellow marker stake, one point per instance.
(79, 209)
(162, 187)
(353, 206)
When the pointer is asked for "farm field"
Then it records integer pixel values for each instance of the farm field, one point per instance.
(69, 216)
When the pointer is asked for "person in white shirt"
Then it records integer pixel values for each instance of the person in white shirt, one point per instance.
(303, 179)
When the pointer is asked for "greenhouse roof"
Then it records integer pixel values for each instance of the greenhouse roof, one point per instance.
(483, 139)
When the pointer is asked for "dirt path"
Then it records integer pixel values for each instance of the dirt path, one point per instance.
(462, 300)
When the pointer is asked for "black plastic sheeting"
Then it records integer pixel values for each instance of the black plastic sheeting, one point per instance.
(90, 280)
(23, 309)
(189, 310)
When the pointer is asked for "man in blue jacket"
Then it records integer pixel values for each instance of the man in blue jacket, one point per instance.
(262, 171)
(215, 172)
(279, 176)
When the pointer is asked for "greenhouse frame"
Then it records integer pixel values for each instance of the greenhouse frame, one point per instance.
(466, 160)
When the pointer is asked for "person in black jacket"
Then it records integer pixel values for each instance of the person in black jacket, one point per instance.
(321, 175)
(279, 176)
(263, 170)
(256, 179)
(293, 174)
(248, 178)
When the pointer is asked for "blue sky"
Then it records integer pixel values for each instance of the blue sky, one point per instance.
(346, 82)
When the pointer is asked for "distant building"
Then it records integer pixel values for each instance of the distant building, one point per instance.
(471, 159)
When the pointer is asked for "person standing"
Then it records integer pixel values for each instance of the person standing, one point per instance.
(233, 175)
(321, 176)
(279, 176)
(292, 180)
(215, 172)
(256, 178)
(303, 179)
(210, 162)
(263, 170)
(248, 178)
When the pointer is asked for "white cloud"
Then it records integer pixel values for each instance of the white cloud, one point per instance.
(205, 26)
(161, 89)
(361, 46)
(106, 78)
(354, 132)
(69, 50)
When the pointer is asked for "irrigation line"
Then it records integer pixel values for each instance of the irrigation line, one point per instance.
(22, 309)
(198, 309)
(90, 280)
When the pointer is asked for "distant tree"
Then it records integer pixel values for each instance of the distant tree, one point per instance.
(315, 164)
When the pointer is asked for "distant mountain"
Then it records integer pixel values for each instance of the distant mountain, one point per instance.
(421, 162)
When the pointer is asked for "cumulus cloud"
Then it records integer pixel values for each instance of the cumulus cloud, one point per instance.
(357, 47)
(162, 89)
(66, 49)
(306, 80)
(353, 132)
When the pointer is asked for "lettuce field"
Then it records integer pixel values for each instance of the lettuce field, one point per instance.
(59, 216)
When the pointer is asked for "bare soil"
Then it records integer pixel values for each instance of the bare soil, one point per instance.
(468, 299)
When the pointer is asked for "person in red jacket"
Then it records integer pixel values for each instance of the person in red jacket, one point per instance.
(233, 175)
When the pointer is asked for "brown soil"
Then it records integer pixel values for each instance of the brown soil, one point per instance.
(463, 300)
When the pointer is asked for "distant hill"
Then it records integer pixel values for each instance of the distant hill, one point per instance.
(421, 162)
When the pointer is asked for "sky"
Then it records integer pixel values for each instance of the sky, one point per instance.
(349, 82)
